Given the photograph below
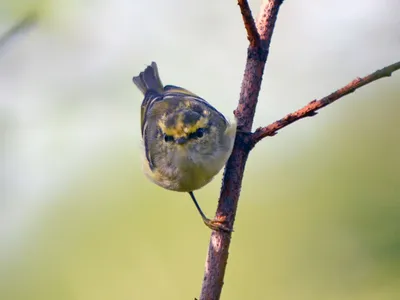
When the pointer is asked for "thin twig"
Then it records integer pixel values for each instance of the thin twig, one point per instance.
(249, 24)
(266, 20)
(23, 24)
(255, 65)
(257, 54)
(311, 108)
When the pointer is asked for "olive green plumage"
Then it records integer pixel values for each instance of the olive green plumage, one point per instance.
(186, 140)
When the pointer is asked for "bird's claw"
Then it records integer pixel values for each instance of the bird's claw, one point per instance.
(217, 225)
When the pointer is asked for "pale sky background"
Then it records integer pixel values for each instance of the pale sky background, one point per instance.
(67, 100)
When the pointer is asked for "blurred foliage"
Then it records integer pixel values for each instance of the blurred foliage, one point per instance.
(319, 214)
(19, 8)
(323, 224)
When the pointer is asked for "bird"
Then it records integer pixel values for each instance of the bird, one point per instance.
(186, 141)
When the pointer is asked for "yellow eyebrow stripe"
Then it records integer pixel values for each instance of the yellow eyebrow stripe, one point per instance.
(180, 129)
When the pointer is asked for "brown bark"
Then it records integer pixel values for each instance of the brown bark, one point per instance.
(259, 37)
(256, 57)
(311, 108)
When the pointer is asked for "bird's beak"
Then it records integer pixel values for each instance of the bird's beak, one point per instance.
(181, 140)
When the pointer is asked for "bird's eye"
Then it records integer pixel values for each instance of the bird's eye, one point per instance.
(168, 138)
(199, 132)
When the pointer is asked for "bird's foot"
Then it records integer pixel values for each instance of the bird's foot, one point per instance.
(217, 224)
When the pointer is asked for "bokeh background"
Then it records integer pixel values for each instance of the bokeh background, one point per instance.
(319, 214)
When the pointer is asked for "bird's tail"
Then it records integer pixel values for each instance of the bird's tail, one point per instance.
(149, 80)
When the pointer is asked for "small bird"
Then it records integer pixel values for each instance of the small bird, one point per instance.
(186, 140)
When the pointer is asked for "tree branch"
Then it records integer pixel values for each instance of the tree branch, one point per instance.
(266, 20)
(311, 108)
(255, 64)
(252, 33)
(257, 54)
(25, 23)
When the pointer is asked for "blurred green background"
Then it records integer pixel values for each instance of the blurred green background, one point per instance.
(319, 214)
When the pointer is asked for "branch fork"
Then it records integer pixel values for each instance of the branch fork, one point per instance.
(259, 36)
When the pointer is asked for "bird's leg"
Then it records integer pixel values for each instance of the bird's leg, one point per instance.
(213, 224)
